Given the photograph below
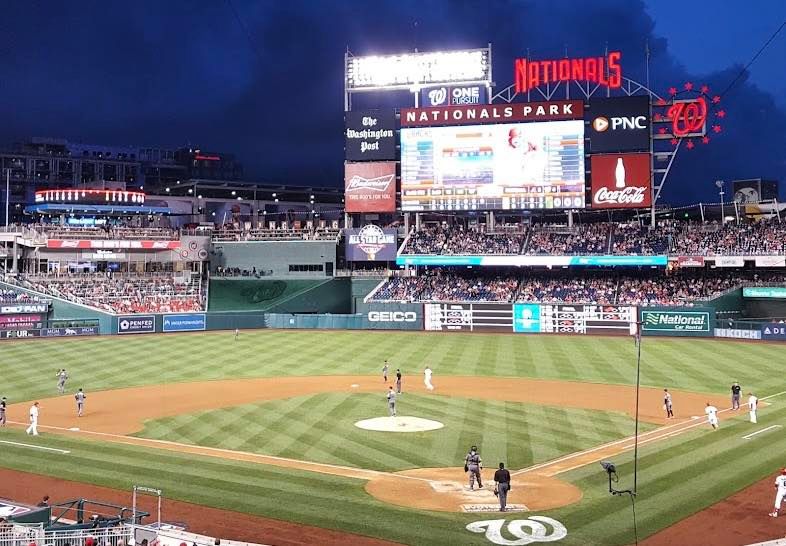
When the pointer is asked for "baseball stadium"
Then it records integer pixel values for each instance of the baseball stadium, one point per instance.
(191, 357)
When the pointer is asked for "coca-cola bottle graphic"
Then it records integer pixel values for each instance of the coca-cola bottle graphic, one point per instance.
(619, 174)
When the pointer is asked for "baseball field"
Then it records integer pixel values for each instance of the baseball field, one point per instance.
(265, 426)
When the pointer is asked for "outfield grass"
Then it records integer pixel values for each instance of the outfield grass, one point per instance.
(321, 428)
(677, 476)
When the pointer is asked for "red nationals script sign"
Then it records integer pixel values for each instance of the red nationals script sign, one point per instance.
(370, 187)
(621, 181)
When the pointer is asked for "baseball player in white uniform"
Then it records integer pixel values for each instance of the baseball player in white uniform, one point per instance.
(33, 428)
(753, 404)
(780, 492)
(712, 415)
(427, 378)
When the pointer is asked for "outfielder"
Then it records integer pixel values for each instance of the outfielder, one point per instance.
(80, 402)
(473, 464)
(753, 404)
(237, 333)
(62, 377)
(391, 402)
(33, 428)
(427, 378)
(712, 415)
(2, 411)
(385, 372)
(780, 492)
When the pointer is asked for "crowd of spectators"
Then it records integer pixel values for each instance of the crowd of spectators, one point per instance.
(108, 231)
(683, 287)
(239, 272)
(11, 297)
(766, 237)
(563, 241)
(159, 293)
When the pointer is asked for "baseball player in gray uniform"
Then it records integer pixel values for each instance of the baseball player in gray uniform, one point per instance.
(473, 464)
(2, 411)
(62, 377)
(80, 402)
(391, 402)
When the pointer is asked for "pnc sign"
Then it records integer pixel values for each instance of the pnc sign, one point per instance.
(605, 71)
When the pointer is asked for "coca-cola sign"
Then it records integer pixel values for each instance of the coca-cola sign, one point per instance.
(621, 181)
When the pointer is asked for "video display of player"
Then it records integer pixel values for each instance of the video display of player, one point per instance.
(493, 167)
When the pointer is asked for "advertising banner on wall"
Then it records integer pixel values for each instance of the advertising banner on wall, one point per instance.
(526, 318)
(621, 181)
(525, 261)
(690, 261)
(487, 167)
(370, 135)
(12, 322)
(773, 331)
(453, 95)
(764, 292)
(370, 243)
(392, 316)
(736, 333)
(22, 308)
(619, 124)
(729, 261)
(370, 187)
(184, 322)
(770, 261)
(65, 244)
(136, 324)
(675, 321)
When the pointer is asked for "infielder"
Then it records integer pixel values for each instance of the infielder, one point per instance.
(753, 404)
(473, 464)
(427, 378)
(2, 411)
(780, 492)
(385, 372)
(391, 402)
(398, 381)
(712, 415)
(735, 396)
(62, 377)
(33, 428)
(667, 405)
(80, 402)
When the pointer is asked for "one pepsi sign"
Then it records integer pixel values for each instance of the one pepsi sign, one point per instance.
(453, 95)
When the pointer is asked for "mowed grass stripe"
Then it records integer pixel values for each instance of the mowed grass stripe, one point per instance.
(321, 428)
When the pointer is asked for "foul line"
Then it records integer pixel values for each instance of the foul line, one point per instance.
(32, 446)
(752, 434)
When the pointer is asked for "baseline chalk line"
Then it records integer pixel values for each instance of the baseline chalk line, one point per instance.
(32, 446)
(752, 434)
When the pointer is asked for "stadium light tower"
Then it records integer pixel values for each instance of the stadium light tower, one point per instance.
(720, 184)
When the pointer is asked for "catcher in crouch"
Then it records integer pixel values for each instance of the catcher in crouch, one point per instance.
(473, 464)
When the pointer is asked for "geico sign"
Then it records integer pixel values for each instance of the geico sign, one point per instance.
(601, 124)
(392, 316)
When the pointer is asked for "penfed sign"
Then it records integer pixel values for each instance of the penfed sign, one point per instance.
(676, 322)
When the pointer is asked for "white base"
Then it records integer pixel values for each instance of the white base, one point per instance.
(401, 423)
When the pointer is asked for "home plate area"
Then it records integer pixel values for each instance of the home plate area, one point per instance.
(479, 500)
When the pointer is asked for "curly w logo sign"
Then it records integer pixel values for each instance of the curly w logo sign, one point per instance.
(526, 531)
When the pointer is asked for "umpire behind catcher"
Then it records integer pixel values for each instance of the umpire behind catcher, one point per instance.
(502, 479)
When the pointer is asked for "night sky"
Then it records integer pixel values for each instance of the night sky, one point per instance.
(264, 79)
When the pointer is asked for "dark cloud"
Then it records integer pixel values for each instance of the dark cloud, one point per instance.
(172, 73)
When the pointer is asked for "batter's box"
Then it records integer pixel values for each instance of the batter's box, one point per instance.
(493, 508)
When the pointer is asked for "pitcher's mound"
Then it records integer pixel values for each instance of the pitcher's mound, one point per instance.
(402, 423)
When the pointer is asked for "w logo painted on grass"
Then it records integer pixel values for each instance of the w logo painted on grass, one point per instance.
(527, 531)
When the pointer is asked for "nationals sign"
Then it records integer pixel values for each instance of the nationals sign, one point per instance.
(492, 113)
(100, 243)
(621, 181)
(370, 187)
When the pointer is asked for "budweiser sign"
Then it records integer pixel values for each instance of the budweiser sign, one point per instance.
(370, 186)
(621, 181)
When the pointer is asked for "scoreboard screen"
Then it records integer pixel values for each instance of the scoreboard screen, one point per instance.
(587, 319)
(468, 317)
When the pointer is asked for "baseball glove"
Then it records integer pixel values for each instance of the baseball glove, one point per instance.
(496, 492)
(466, 468)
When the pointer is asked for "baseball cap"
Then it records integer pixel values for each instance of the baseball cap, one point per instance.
(783, 470)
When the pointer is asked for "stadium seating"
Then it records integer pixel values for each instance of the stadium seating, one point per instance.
(148, 293)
